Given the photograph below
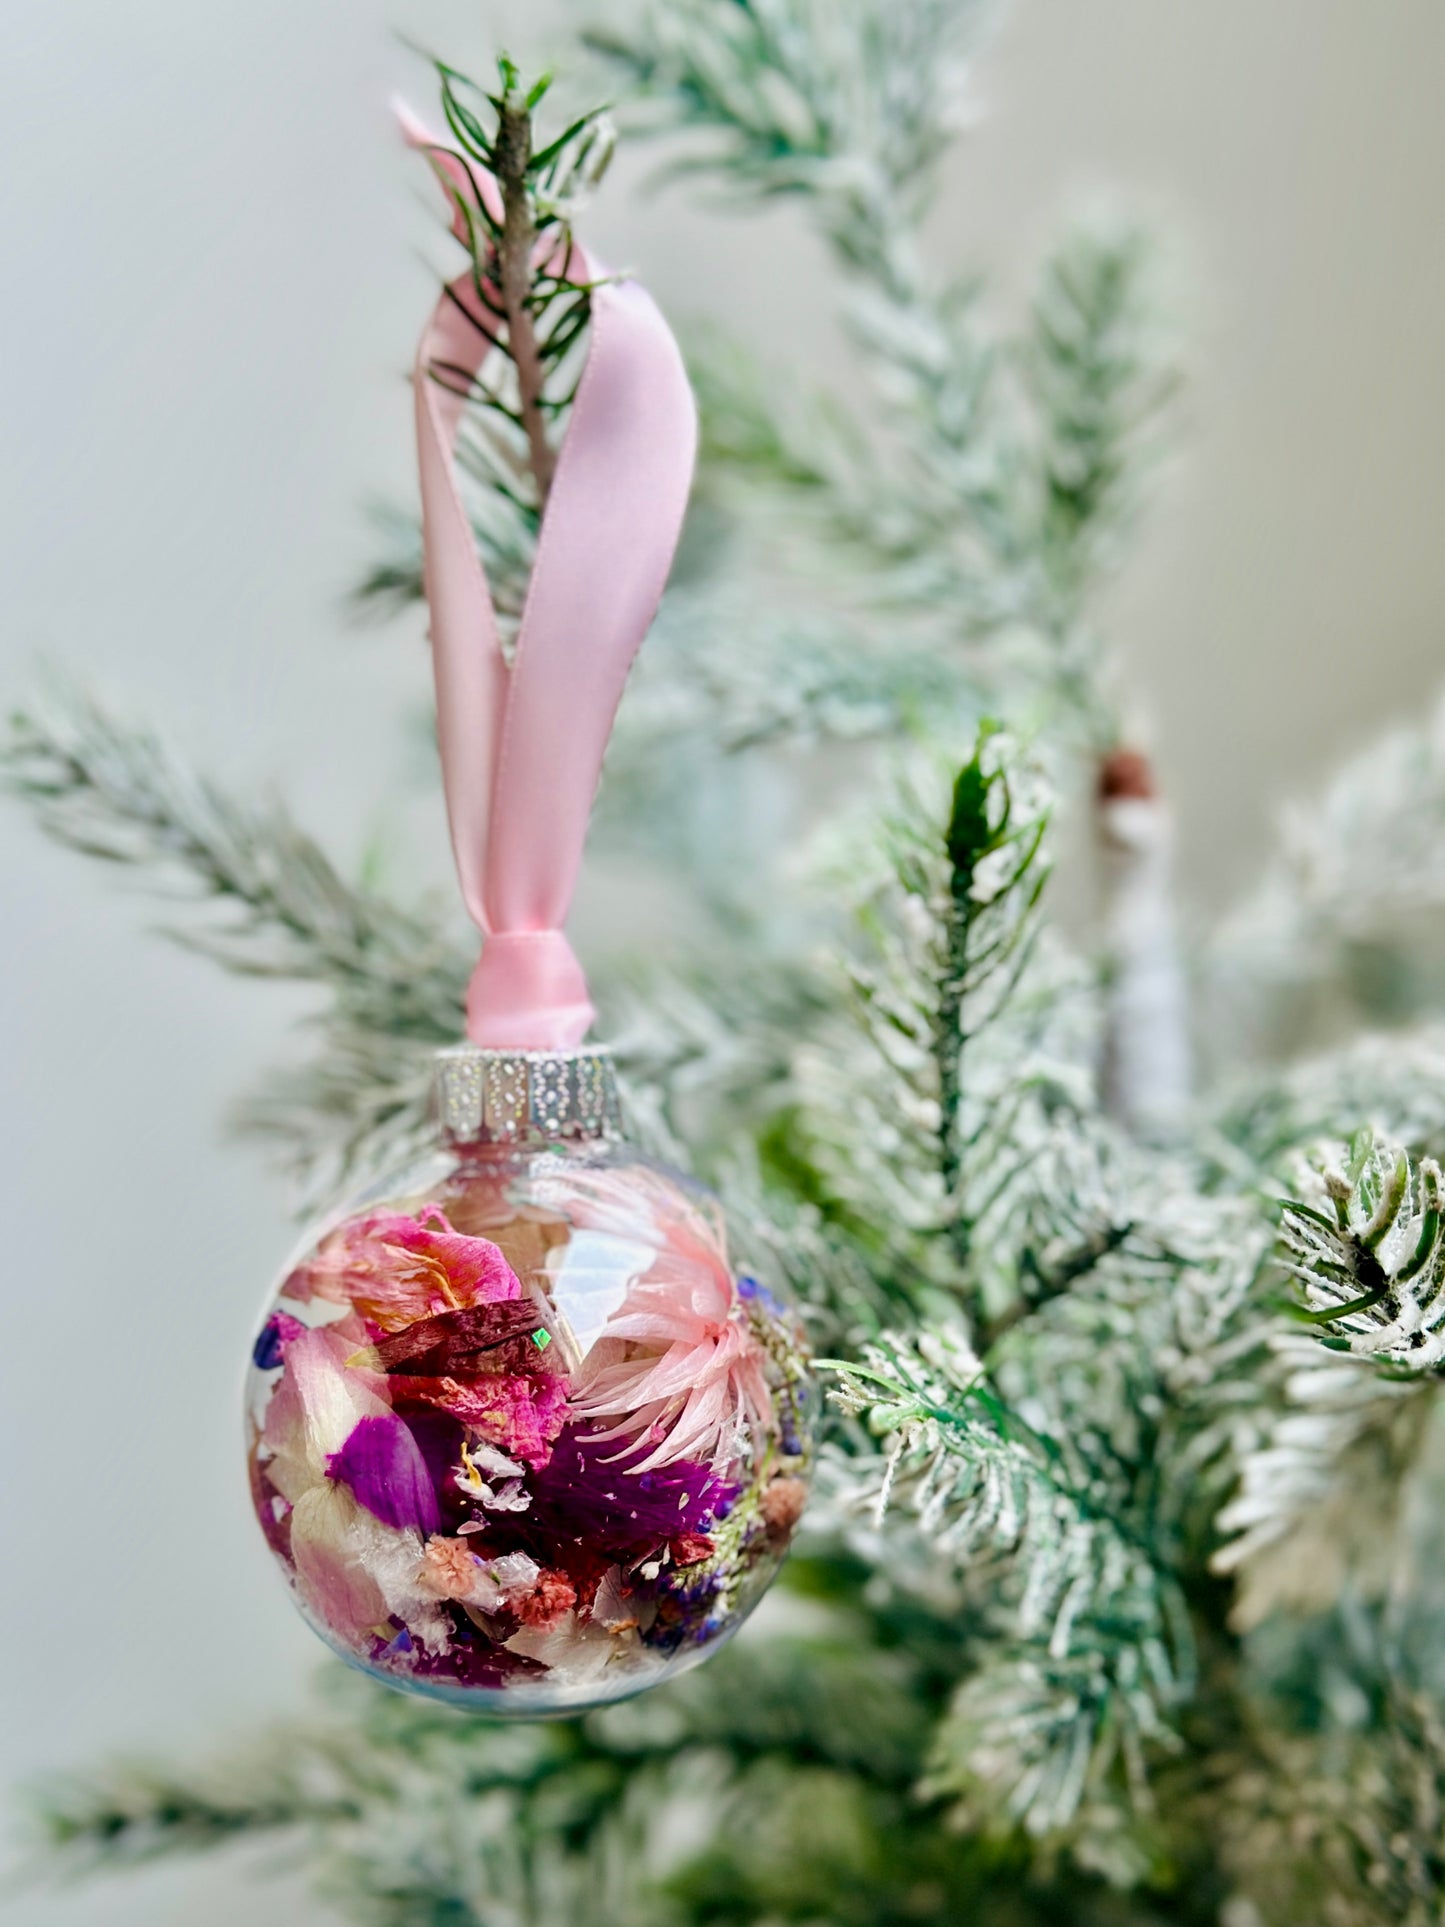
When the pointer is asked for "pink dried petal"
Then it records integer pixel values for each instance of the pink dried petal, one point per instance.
(333, 1579)
(395, 1269)
(314, 1409)
(521, 1415)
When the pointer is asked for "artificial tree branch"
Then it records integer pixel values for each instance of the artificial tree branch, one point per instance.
(521, 265)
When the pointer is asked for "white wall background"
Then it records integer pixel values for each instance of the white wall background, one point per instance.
(211, 274)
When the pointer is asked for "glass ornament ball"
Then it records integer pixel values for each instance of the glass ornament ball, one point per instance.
(519, 1436)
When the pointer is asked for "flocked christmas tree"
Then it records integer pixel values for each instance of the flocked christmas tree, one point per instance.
(1118, 1600)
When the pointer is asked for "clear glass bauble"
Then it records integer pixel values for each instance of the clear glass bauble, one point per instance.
(519, 1435)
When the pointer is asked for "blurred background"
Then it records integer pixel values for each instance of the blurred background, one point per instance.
(216, 260)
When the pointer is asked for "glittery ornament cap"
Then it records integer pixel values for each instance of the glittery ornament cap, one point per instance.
(525, 1097)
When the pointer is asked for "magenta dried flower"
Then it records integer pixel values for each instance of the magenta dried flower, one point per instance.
(585, 1493)
(387, 1473)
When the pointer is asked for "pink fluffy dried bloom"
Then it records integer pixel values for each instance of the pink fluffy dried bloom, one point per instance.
(677, 1368)
(449, 1568)
(396, 1269)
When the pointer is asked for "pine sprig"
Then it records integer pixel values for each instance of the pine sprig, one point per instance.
(1347, 923)
(850, 110)
(412, 1811)
(1365, 1249)
(1101, 375)
(940, 1051)
(996, 877)
(954, 506)
(522, 252)
(1368, 1252)
(249, 889)
(984, 493)
(1085, 1636)
(513, 197)
(280, 907)
(1393, 1080)
(849, 107)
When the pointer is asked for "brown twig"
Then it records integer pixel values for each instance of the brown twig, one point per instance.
(515, 274)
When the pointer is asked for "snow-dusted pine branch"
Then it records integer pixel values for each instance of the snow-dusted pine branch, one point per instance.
(847, 106)
(1348, 919)
(271, 902)
(246, 887)
(1358, 1365)
(1366, 1246)
(1084, 1651)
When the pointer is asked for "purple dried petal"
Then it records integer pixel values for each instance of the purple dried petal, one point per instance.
(440, 1438)
(278, 1328)
(387, 1473)
(753, 1288)
(585, 1493)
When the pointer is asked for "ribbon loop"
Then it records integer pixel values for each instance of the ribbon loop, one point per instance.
(522, 743)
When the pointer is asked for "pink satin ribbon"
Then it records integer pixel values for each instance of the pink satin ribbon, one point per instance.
(522, 745)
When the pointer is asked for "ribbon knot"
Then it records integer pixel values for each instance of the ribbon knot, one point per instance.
(522, 742)
(528, 984)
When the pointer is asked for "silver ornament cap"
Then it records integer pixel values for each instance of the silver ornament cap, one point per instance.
(526, 1096)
